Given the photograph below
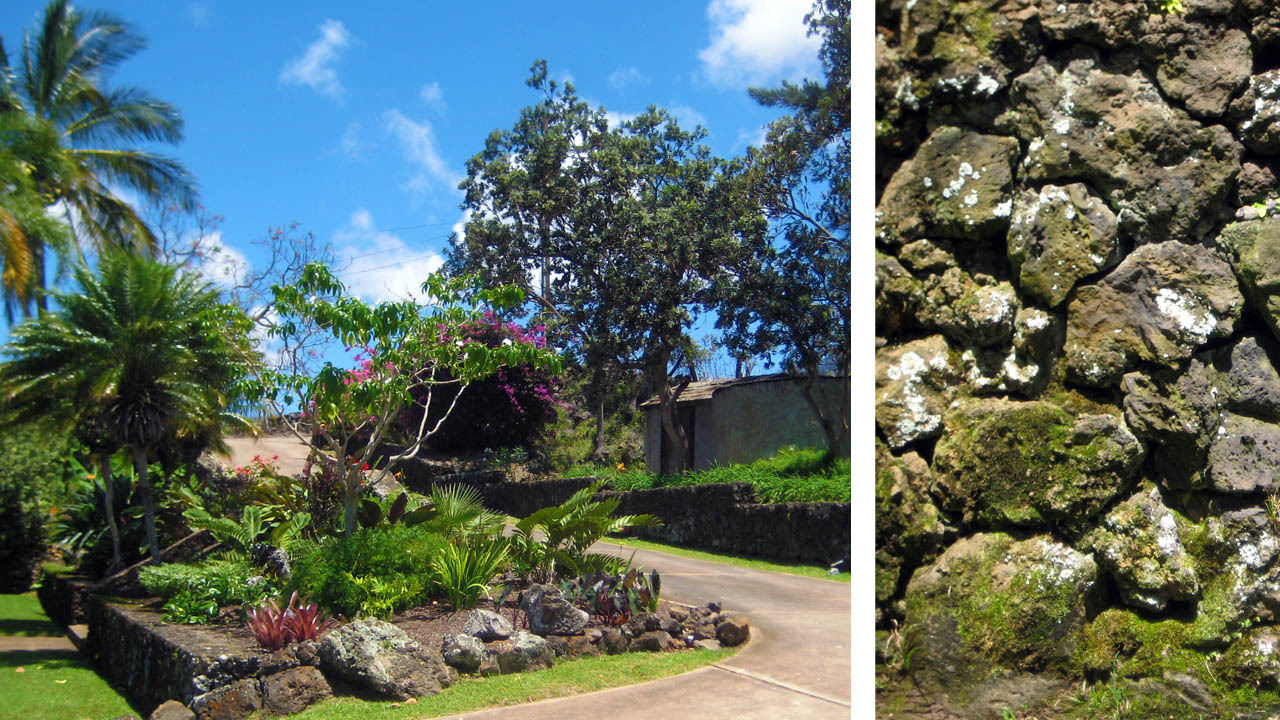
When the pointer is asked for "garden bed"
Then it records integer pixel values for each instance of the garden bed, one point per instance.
(220, 671)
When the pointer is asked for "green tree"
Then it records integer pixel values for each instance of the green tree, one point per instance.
(60, 86)
(793, 294)
(616, 235)
(412, 349)
(146, 354)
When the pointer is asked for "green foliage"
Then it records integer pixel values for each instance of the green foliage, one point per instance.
(239, 537)
(792, 475)
(32, 467)
(567, 531)
(464, 572)
(1169, 7)
(613, 596)
(457, 513)
(374, 571)
(196, 593)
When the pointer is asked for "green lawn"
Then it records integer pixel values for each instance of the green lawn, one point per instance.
(814, 571)
(49, 684)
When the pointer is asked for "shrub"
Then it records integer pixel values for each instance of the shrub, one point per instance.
(464, 572)
(375, 571)
(792, 475)
(197, 593)
(511, 409)
(32, 468)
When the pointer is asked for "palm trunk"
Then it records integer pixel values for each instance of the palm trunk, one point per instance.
(148, 501)
(109, 501)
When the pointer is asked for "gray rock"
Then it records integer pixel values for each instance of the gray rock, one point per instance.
(1163, 173)
(1256, 183)
(913, 389)
(1244, 456)
(380, 657)
(1178, 415)
(229, 702)
(1058, 236)
(1140, 545)
(707, 644)
(1256, 113)
(613, 641)
(897, 295)
(1023, 605)
(171, 710)
(1025, 368)
(1107, 23)
(733, 630)
(1202, 66)
(1251, 381)
(909, 527)
(524, 652)
(970, 311)
(1254, 251)
(487, 625)
(550, 613)
(464, 652)
(292, 691)
(958, 185)
(653, 641)
(1164, 302)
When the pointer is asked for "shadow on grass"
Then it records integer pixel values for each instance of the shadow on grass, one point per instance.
(46, 659)
(86, 692)
(28, 628)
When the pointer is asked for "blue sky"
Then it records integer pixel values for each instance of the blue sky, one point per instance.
(357, 123)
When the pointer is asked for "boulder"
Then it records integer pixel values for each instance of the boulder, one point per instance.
(229, 702)
(1254, 251)
(653, 641)
(991, 604)
(1237, 558)
(1244, 456)
(171, 710)
(1163, 303)
(292, 691)
(1251, 383)
(465, 653)
(959, 184)
(1256, 113)
(897, 295)
(487, 625)
(1026, 464)
(524, 652)
(382, 658)
(1162, 172)
(733, 630)
(972, 311)
(909, 527)
(613, 641)
(1024, 368)
(913, 389)
(1106, 23)
(1139, 544)
(1178, 416)
(1058, 236)
(1256, 183)
(1201, 66)
(550, 613)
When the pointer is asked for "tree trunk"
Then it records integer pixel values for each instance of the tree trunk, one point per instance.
(825, 421)
(597, 388)
(351, 496)
(148, 501)
(109, 502)
(667, 394)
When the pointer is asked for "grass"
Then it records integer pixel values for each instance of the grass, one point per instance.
(813, 571)
(580, 676)
(52, 684)
(792, 475)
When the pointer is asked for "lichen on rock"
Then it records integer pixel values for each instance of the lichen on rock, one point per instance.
(913, 389)
(1058, 236)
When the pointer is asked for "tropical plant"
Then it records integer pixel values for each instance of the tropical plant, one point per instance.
(197, 593)
(268, 623)
(78, 134)
(149, 354)
(613, 597)
(416, 348)
(464, 572)
(375, 571)
(455, 511)
(568, 530)
(239, 537)
(304, 620)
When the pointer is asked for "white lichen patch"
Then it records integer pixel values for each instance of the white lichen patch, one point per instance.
(1003, 209)
(971, 199)
(1167, 535)
(916, 418)
(987, 85)
(928, 182)
(1185, 314)
(1062, 125)
(963, 173)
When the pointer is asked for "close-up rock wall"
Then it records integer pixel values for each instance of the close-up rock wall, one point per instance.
(1078, 334)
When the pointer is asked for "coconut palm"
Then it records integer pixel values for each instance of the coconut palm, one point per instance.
(145, 352)
(59, 86)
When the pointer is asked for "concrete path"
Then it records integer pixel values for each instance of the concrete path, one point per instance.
(797, 665)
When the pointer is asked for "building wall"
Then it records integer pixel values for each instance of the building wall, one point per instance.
(755, 420)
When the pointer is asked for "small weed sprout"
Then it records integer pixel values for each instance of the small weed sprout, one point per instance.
(1273, 508)
(901, 646)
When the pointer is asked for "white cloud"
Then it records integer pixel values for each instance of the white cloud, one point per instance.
(433, 96)
(687, 117)
(754, 138)
(460, 228)
(754, 42)
(418, 140)
(314, 68)
(352, 146)
(378, 265)
(615, 119)
(623, 77)
(223, 265)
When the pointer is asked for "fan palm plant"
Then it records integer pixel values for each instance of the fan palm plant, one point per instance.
(147, 352)
(60, 87)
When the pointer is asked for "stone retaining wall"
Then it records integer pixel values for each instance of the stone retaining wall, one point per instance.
(65, 597)
(722, 517)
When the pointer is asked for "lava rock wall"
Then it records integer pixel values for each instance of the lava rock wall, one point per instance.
(1078, 329)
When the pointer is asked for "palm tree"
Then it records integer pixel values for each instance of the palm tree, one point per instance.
(146, 352)
(60, 87)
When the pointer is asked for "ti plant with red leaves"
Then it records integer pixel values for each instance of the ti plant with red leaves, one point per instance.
(298, 622)
(267, 621)
(304, 620)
